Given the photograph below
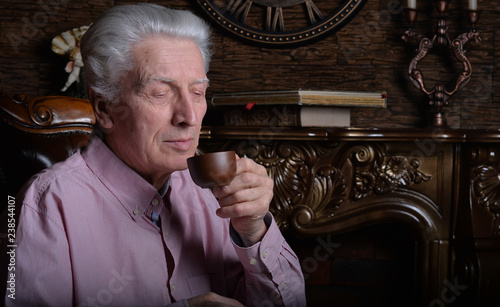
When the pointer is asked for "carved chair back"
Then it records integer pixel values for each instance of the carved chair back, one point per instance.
(36, 133)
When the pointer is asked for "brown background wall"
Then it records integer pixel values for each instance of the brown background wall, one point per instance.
(368, 54)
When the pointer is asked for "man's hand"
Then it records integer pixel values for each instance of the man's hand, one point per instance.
(211, 299)
(246, 200)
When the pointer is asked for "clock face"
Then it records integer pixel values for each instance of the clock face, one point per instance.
(281, 22)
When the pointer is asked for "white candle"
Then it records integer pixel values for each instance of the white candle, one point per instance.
(473, 5)
(412, 4)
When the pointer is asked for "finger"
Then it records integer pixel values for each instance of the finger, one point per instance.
(246, 194)
(248, 174)
(255, 206)
(242, 182)
(245, 209)
(249, 165)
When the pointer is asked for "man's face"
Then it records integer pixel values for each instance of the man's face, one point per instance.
(156, 124)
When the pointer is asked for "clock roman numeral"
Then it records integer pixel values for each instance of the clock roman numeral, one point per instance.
(275, 22)
(239, 9)
(313, 11)
(272, 22)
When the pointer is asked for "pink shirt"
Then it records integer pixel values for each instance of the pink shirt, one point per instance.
(85, 238)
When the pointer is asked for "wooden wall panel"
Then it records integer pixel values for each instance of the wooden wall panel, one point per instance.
(368, 54)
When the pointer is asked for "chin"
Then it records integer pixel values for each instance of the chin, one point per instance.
(173, 162)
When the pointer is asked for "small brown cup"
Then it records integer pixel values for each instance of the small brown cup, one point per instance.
(213, 169)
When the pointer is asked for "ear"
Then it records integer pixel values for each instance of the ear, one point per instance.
(102, 110)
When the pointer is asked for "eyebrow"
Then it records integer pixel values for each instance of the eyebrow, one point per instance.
(167, 80)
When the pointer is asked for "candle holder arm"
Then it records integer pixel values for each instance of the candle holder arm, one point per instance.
(459, 51)
(425, 44)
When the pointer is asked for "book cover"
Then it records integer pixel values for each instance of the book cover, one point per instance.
(303, 97)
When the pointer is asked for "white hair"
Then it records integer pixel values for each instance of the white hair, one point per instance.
(107, 45)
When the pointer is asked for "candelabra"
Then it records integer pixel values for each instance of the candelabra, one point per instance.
(438, 96)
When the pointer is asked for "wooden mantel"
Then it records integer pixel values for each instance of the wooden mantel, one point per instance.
(353, 134)
(444, 184)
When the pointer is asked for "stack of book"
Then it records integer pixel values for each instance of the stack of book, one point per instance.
(295, 108)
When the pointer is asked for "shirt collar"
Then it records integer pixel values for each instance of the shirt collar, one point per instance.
(164, 188)
(132, 191)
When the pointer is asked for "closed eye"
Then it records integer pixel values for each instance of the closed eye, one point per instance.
(158, 94)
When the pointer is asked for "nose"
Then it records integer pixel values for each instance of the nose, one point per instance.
(185, 111)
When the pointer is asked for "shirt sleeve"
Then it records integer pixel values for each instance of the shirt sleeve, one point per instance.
(52, 284)
(272, 270)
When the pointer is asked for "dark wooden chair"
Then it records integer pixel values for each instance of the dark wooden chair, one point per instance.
(36, 133)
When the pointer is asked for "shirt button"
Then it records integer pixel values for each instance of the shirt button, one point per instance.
(172, 287)
(165, 233)
(284, 285)
(264, 255)
(253, 261)
(137, 211)
(155, 202)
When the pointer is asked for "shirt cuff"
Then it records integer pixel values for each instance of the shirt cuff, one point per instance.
(261, 256)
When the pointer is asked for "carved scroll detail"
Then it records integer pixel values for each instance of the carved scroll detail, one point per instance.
(47, 115)
(42, 115)
(486, 187)
(385, 174)
(307, 186)
(314, 179)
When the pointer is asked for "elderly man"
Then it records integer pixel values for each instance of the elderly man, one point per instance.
(121, 223)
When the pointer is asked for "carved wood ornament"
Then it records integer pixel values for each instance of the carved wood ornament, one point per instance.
(48, 115)
(487, 189)
(313, 180)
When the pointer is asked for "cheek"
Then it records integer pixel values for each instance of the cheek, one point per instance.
(143, 120)
(201, 112)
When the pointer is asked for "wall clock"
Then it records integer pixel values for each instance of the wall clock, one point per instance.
(281, 22)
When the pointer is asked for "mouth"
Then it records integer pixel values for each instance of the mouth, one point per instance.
(180, 144)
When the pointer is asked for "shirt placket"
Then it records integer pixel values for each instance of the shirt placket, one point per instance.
(153, 210)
